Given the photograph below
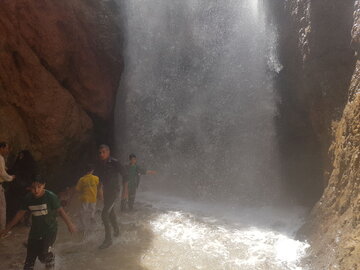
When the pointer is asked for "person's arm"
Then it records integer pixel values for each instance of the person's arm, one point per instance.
(144, 171)
(19, 215)
(4, 176)
(66, 219)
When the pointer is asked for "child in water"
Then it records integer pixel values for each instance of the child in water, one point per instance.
(88, 187)
(131, 182)
(44, 207)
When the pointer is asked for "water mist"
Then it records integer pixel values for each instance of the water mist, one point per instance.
(199, 99)
(197, 103)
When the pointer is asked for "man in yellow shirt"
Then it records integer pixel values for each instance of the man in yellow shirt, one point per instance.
(88, 187)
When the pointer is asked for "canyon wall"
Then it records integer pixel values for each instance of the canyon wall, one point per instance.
(319, 92)
(314, 49)
(60, 66)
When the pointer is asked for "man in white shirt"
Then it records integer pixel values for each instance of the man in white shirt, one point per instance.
(4, 177)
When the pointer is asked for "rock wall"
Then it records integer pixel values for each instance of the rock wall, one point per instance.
(60, 66)
(334, 224)
(321, 80)
(314, 48)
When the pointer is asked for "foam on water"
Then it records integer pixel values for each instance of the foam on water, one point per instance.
(172, 233)
(213, 240)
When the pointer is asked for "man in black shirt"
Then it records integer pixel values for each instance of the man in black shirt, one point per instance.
(108, 170)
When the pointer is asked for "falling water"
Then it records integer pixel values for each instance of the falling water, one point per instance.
(199, 100)
(197, 104)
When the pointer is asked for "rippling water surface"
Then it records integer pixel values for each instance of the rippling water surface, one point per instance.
(170, 233)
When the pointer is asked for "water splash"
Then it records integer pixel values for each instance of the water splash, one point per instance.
(170, 233)
(228, 248)
(200, 103)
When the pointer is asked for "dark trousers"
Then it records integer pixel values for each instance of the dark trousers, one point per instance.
(42, 249)
(132, 194)
(108, 215)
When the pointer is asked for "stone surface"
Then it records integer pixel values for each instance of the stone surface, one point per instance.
(334, 224)
(60, 65)
(314, 48)
(321, 81)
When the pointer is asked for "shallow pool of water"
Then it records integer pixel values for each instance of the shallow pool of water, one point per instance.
(171, 233)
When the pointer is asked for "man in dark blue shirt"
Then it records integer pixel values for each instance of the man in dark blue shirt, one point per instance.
(108, 170)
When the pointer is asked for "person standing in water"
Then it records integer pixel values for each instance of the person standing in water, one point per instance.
(44, 207)
(108, 170)
(4, 177)
(88, 186)
(131, 182)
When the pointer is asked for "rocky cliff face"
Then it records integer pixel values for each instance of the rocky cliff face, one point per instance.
(60, 65)
(318, 62)
(321, 80)
(334, 224)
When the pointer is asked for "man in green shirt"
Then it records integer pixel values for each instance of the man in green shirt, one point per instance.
(131, 182)
(44, 207)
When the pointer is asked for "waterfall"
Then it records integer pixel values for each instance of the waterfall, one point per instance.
(199, 103)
